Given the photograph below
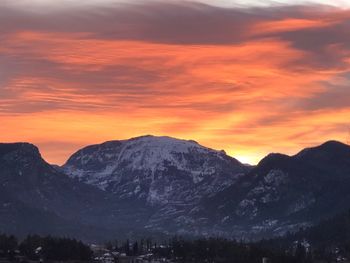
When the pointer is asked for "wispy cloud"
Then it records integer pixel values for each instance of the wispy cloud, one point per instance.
(246, 80)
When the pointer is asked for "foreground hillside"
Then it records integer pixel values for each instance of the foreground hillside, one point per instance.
(328, 241)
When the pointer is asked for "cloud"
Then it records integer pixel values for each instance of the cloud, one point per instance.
(244, 80)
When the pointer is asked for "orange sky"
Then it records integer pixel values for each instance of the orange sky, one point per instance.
(273, 79)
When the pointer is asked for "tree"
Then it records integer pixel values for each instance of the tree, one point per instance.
(135, 248)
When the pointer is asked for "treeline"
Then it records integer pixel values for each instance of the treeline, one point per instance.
(8, 246)
(329, 240)
(132, 248)
(220, 250)
(201, 250)
(35, 247)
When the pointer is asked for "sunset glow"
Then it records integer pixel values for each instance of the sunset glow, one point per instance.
(249, 82)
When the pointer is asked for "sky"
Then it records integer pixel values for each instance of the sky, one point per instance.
(248, 77)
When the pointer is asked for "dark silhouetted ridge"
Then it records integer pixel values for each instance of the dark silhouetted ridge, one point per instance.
(22, 148)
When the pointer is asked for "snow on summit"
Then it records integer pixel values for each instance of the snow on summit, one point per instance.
(153, 168)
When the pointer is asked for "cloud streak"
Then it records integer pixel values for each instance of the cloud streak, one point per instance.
(245, 80)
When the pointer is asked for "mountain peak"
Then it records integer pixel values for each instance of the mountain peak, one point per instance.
(153, 168)
(21, 148)
(274, 156)
(164, 141)
(333, 143)
(147, 149)
(160, 139)
(328, 148)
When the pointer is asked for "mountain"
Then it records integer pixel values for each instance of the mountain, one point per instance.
(283, 193)
(36, 198)
(163, 186)
(167, 175)
(140, 186)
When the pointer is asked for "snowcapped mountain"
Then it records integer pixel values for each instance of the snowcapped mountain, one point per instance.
(161, 178)
(163, 185)
(158, 170)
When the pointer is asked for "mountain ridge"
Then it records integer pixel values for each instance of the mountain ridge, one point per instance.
(283, 193)
(53, 203)
(169, 186)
